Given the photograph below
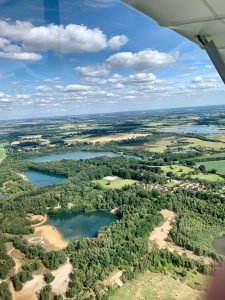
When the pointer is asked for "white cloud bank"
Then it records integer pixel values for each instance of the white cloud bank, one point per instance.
(92, 71)
(25, 38)
(145, 59)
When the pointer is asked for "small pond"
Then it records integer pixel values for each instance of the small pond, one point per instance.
(40, 178)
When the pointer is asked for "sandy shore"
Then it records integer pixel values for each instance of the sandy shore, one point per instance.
(114, 211)
(23, 176)
(51, 237)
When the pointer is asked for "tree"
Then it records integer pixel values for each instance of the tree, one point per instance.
(48, 277)
(17, 283)
(45, 293)
(4, 291)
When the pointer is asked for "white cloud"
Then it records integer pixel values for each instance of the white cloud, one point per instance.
(202, 83)
(25, 56)
(54, 79)
(72, 88)
(116, 42)
(12, 51)
(62, 39)
(145, 59)
(99, 3)
(43, 88)
(92, 71)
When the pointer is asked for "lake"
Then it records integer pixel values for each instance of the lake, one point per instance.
(75, 225)
(76, 155)
(219, 245)
(40, 178)
(190, 128)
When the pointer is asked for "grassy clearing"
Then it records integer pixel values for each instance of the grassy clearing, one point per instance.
(160, 146)
(219, 165)
(208, 177)
(184, 171)
(118, 183)
(177, 169)
(156, 286)
(2, 151)
(106, 138)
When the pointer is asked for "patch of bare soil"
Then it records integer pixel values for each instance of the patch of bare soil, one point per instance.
(160, 233)
(31, 289)
(50, 237)
(114, 278)
(60, 283)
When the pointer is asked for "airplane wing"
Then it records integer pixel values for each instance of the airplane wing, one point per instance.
(201, 21)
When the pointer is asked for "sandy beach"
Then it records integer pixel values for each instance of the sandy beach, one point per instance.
(51, 236)
(23, 176)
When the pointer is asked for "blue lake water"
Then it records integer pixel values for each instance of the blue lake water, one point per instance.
(76, 155)
(219, 245)
(40, 178)
(75, 225)
(190, 128)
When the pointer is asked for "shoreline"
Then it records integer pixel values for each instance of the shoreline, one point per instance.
(50, 237)
(23, 176)
(42, 218)
(114, 211)
(46, 235)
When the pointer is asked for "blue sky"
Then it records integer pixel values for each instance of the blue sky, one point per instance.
(93, 56)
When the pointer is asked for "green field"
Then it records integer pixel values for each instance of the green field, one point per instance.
(159, 146)
(2, 151)
(195, 142)
(219, 165)
(208, 177)
(117, 183)
(184, 171)
(177, 169)
(155, 286)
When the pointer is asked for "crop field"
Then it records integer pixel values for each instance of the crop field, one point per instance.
(105, 138)
(219, 165)
(156, 286)
(117, 183)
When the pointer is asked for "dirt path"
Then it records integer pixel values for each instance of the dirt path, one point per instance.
(30, 288)
(160, 233)
(17, 256)
(60, 283)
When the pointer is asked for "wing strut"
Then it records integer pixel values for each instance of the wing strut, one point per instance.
(214, 55)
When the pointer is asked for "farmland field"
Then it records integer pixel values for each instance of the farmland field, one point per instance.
(106, 138)
(219, 165)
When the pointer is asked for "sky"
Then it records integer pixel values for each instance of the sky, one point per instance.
(96, 56)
